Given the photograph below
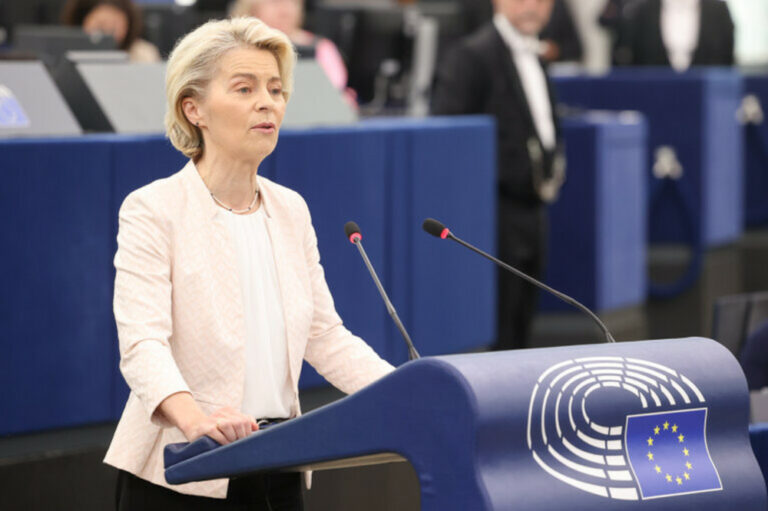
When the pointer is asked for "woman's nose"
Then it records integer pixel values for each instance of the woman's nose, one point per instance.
(264, 101)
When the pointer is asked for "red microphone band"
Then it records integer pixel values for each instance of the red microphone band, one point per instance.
(355, 237)
(445, 233)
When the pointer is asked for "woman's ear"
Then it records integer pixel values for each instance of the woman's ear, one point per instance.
(191, 110)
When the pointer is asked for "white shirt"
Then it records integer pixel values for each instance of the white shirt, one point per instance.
(267, 392)
(525, 54)
(680, 25)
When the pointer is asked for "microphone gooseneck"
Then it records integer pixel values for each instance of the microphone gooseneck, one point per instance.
(437, 229)
(352, 231)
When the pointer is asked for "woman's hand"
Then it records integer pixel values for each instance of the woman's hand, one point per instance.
(225, 425)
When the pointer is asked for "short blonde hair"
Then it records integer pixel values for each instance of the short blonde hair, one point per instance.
(193, 61)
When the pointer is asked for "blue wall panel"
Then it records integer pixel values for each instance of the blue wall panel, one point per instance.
(55, 301)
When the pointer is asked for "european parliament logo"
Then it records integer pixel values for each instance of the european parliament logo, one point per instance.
(621, 428)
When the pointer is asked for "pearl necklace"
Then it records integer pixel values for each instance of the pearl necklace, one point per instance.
(237, 211)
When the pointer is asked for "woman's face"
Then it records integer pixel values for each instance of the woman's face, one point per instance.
(244, 106)
(107, 19)
(284, 15)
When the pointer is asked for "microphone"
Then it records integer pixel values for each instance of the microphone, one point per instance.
(352, 232)
(437, 229)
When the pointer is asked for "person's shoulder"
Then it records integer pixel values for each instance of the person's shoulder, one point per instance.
(476, 44)
(484, 36)
(157, 195)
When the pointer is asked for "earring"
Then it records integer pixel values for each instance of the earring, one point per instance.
(197, 124)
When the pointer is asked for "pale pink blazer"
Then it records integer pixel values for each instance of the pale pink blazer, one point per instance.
(179, 314)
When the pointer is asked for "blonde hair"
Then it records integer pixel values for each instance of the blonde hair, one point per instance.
(193, 61)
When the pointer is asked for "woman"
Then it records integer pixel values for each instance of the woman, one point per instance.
(219, 292)
(117, 18)
(288, 17)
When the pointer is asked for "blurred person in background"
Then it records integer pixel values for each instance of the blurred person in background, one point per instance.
(679, 34)
(562, 42)
(117, 18)
(288, 17)
(498, 70)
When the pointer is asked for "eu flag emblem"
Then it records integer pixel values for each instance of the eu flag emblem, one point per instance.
(669, 455)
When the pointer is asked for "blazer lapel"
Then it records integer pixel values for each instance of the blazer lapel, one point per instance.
(513, 78)
(221, 260)
(653, 42)
(704, 21)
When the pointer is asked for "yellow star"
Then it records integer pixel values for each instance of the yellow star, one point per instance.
(686, 475)
(650, 441)
(685, 451)
(650, 456)
(666, 425)
(658, 469)
(674, 428)
(669, 478)
(679, 481)
(688, 465)
(681, 437)
(656, 430)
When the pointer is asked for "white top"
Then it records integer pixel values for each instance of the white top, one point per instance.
(525, 54)
(680, 24)
(267, 392)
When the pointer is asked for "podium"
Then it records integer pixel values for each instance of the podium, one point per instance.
(658, 424)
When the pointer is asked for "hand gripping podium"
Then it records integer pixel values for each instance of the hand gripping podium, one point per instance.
(639, 425)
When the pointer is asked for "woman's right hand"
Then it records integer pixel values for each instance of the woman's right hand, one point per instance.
(225, 425)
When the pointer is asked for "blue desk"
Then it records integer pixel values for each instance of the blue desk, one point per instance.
(597, 238)
(756, 156)
(60, 200)
(695, 113)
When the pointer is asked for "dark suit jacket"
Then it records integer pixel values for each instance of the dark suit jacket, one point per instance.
(716, 36)
(478, 76)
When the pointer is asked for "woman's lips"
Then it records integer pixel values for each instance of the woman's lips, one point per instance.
(265, 127)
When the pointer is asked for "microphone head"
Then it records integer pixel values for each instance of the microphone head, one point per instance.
(352, 230)
(435, 228)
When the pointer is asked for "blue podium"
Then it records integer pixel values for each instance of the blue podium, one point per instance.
(616, 426)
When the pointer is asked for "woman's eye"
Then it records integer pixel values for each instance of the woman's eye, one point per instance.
(277, 91)
(244, 90)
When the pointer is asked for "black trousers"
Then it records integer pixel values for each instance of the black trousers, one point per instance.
(263, 492)
(522, 242)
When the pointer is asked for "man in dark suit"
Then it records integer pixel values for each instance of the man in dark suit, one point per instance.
(680, 34)
(498, 71)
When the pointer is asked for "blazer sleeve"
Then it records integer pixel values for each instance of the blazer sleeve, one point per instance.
(142, 305)
(342, 358)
